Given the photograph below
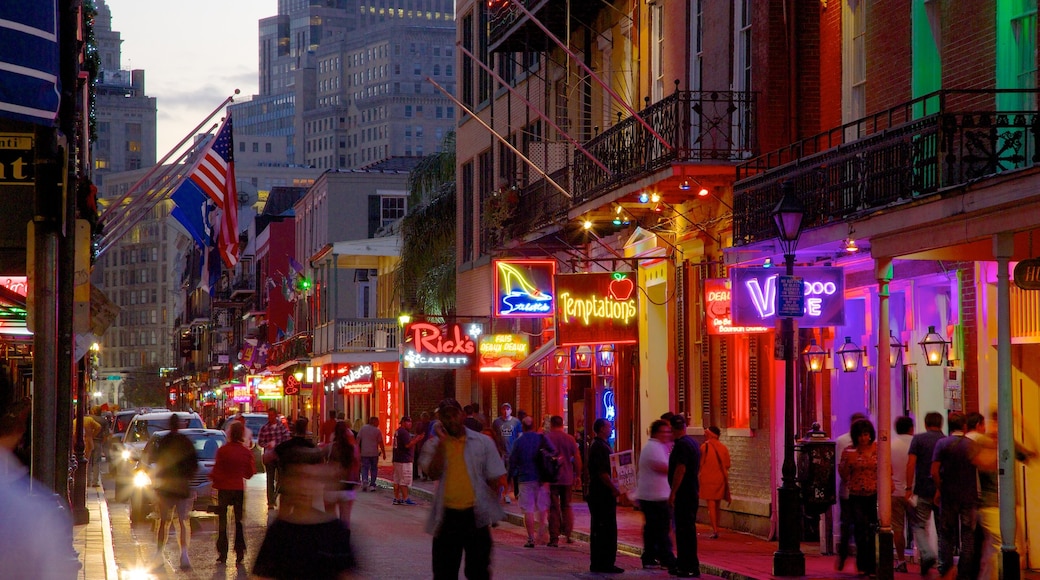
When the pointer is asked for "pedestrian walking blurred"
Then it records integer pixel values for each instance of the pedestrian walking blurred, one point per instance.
(844, 509)
(370, 443)
(920, 488)
(480, 416)
(714, 475)
(471, 420)
(508, 427)
(859, 471)
(684, 464)
(534, 491)
(602, 501)
(233, 465)
(465, 504)
(900, 505)
(304, 542)
(328, 428)
(176, 462)
(561, 515)
(343, 456)
(92, 444)
(404, 455)
(652, 491)
(957, 493)
(422, 426)
(35, 531)
(298, 443)
(273, 433)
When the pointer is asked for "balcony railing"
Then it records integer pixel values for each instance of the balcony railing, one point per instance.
(357, 335)
(295, 347)
(699, 125)
(504, 15)
(541, 204)
(938, 141)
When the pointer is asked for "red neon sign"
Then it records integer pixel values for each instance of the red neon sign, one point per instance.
(596, 308)
(438, 346)
(718, 309)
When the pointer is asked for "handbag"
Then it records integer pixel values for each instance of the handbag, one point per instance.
(548, 463)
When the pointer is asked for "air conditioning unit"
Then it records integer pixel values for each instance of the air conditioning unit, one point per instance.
(385, 340)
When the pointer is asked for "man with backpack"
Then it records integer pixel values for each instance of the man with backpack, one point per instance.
(561, 517)
(524, 464)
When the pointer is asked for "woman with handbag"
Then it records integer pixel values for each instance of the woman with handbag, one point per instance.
(714, 475)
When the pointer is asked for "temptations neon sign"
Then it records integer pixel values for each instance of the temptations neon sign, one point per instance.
(524, 288)
(755, 296)
(597, 308)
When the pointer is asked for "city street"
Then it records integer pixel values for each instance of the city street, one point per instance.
(390, 542)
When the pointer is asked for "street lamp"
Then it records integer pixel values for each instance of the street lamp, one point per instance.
(814, 356)
(934, 347)
(896, 347)
(789, 560)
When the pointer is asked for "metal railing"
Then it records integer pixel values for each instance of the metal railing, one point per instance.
(914, 150)
(295, 347)
(541, 205)
(357, 335)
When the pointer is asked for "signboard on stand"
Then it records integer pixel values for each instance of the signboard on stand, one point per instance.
(623, 471)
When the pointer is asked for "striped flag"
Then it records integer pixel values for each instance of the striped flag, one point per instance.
(29, 88)
(215, 176)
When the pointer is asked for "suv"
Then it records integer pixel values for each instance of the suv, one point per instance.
(206, 442)
(138, 432)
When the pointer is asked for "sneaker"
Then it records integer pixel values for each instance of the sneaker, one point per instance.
(570, 540)
(408, 502)
(397, 501)
(553, 544)
(529, 544)
(185, 562)
(508, 500)
(901, 567)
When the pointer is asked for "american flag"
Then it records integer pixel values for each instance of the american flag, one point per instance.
(215, 176)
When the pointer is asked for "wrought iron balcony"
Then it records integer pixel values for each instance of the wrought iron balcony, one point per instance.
(357, 335)
(510, 30)
(708, 126)
(909, 152)
(541, 205)
(295, 347)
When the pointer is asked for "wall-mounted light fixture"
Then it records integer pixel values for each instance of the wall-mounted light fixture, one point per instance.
(934, 347)
(404, 318)
(562, 358)
(850, 355)
(605, 359)
(583, 357)
(685, 184)
(896, 349)
(814, 356)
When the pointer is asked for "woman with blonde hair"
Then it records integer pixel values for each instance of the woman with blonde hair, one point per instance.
(714, 475)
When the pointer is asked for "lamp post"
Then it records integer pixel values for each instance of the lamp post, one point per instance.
(788, 560)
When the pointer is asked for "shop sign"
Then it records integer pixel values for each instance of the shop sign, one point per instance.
(596, 308)
(17, 159)
(718, 310)
(355, 380)
(241, 393)
(266, 387)
(1027, 274)
(439, 346)
(499, 353)
(17, 284)
(524, 288)
(292, 385)
(756, 292)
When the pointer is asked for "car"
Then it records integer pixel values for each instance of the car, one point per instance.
(142, 496)
(138, 433)
(254, 421)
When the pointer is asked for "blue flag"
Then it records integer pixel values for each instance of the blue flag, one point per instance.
(29, 87)
(194, 211)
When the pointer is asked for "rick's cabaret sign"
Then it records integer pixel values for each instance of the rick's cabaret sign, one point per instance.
(524, 288)
(597, 308)
(755, 296)
(448, 345)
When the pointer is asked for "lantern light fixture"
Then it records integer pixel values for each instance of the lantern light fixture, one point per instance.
(583, 357)
(814, 356)
(934, 347)
(896, 349)
(850, 355)
(562, 357)
(606, 359)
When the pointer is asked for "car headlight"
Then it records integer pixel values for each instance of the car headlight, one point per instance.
(125, 455)
(141, 479)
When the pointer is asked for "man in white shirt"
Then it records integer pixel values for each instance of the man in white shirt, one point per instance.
(652, 491)
(900, 453)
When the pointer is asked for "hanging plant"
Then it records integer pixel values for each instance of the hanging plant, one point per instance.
(498, 212)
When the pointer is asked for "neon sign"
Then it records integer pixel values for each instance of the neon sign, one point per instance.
(241, 393)
(717, 310)
(524, 288)
(755, 296)
(499, 353)
(437, 346)
(356, 381)
(265, 387)
(598, 308)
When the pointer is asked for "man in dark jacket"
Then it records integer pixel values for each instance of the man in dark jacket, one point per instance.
(602, 500)
(684, 465)
(175, 463)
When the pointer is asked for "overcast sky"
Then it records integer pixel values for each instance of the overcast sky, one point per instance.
(194, 53)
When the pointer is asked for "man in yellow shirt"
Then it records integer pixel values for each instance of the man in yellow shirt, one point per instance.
(466, 502)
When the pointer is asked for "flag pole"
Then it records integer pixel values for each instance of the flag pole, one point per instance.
(166, 157)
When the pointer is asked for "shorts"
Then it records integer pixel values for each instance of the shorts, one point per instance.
(403, 474)
(181, 506)
(340, 496)
(534, 496)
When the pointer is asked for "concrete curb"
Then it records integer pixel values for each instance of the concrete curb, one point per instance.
(578, 535)
(111, 570)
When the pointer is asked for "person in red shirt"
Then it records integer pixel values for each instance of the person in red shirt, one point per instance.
(328, 428)
(234, 464)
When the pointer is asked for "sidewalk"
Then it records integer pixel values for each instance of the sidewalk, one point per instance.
(93, 540)
(734, 555)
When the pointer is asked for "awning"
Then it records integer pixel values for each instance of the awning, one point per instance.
(535, 357)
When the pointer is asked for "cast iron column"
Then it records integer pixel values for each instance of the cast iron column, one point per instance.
(886, 538)
(789, 560)
(1003, 248)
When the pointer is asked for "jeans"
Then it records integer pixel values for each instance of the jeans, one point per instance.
(989, 562)
(919, 526)
(94, 464)
(844, 527)
(956, 520)
(234, 498)
(686, 535)
(561, 516)
(271, 469)
(657, 542)
(457, 534)
(603, 533)
(864, 525)
(899, 513)
(369, 469)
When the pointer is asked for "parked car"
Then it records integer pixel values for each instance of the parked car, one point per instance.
(138, 433)
(254, 421)
(206, 442)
